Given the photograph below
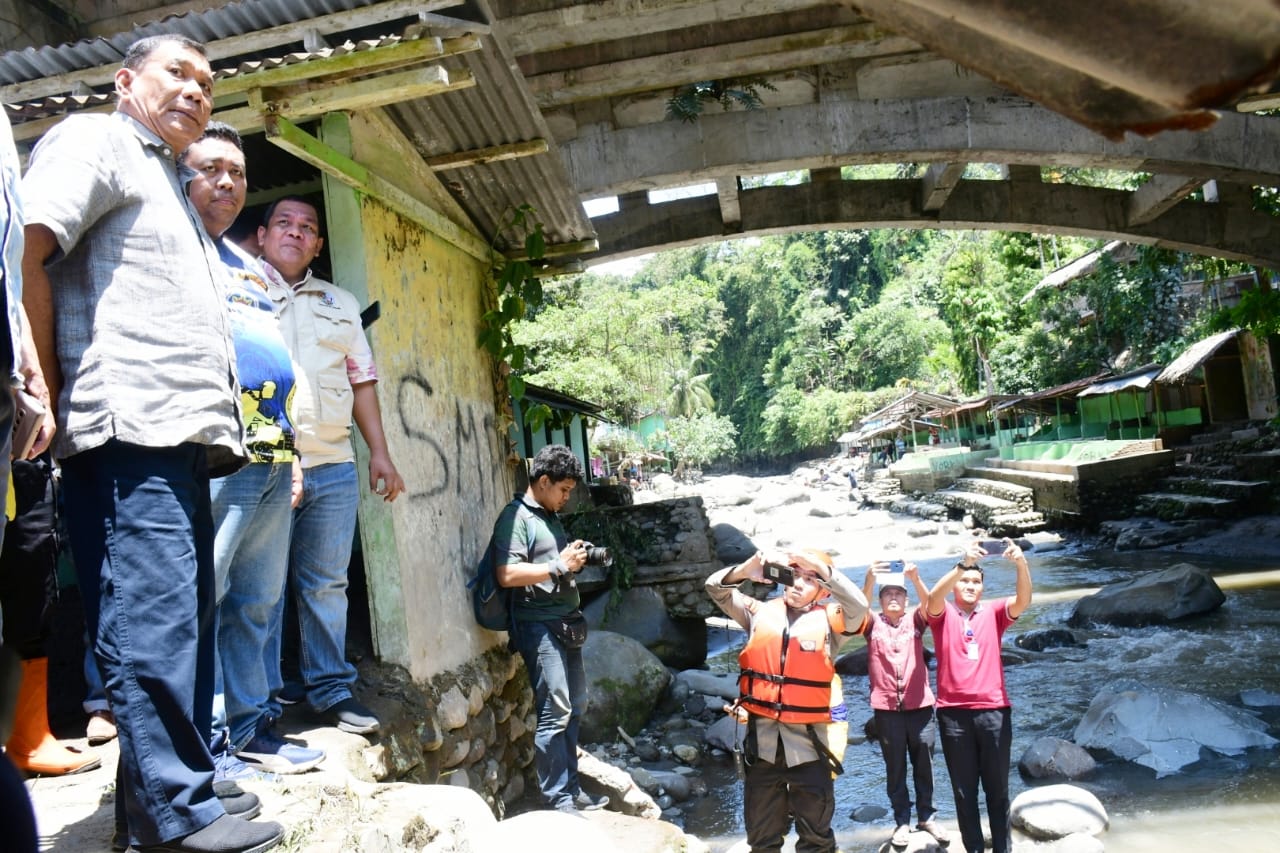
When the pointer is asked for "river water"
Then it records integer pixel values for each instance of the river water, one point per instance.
(1220, 803)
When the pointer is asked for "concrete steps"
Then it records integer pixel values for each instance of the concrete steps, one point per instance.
(1020, 496)
(1256, 492)
(1001, 517)
(1176, 506)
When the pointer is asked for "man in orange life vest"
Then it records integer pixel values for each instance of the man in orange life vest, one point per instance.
(787, 667)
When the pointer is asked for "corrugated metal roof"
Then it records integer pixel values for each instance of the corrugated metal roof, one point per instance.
(233, 19)
(1194, 356)
(1130, 381)
(496, 111)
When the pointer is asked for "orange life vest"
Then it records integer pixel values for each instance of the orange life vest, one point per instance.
(787, 666)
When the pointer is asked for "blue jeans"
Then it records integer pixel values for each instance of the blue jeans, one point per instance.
(251, 517)
(141, 533)
(559, 684)
(95, 695)
(324, 526)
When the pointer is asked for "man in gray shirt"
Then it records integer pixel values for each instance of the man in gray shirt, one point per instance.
(141, 370)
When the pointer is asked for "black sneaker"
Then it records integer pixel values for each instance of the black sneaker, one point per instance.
(226, 834)
(350, 716)
(244, 805)
(237, 803)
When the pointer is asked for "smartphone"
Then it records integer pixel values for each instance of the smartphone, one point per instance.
(779, 573)
(995, 547)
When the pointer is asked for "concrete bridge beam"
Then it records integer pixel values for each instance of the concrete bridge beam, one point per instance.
(834, 133)
(1223, 230)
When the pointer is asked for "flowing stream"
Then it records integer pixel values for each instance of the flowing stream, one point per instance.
(1223, 803)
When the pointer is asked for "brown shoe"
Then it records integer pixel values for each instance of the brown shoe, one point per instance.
(101, 728)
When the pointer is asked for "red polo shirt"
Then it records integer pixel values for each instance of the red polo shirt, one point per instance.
(968, 649)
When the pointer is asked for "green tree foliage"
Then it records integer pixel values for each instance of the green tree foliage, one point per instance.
(689, 395)
(791, 339)
(700, 439)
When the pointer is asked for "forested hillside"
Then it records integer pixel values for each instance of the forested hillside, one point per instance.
(763, 348)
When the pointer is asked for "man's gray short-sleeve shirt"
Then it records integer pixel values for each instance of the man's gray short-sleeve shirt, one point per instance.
(141, 326)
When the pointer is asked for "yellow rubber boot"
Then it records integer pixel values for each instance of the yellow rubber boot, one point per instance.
(32, 747)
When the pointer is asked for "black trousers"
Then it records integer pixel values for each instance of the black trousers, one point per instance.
(29, 560)
(773, 794)
(976, 745)
(908, 734)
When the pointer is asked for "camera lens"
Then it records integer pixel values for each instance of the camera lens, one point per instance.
(599, 557)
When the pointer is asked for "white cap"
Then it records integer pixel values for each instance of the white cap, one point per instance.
(887, 579)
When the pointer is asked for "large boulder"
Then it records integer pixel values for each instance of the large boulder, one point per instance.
(732, 545)
(1055, 758)
(1163, 728)
(1056, 811)
(642, 615)
(1157, 598)
(625, 681)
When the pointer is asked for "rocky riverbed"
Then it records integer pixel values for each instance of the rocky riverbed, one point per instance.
(672, 766)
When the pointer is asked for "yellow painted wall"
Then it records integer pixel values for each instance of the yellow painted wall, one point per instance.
(435, 388)
(437, 396)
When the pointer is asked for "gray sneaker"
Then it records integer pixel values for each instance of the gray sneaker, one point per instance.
(272, 753)
(901, 836)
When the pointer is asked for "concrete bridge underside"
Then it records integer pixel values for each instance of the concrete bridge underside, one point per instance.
(1226, 160)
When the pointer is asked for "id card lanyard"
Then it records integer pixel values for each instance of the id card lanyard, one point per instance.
(970, 641)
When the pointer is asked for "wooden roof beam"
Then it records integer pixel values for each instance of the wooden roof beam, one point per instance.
(376, 60)
(491, 154)
(304, 146)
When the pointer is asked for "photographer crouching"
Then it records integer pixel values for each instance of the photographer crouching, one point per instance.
(788, 666)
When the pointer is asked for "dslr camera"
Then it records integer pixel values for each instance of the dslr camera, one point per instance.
(597, 556)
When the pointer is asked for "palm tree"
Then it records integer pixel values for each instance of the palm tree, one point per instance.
(689, 393)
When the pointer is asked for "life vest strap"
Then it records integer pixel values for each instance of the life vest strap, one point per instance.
(782, 679)
(781, 707)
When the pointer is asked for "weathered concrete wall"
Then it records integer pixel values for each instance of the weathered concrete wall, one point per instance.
(1109, 488)
(468, 714)
(438, 402)
(26, 25)
(670, 543)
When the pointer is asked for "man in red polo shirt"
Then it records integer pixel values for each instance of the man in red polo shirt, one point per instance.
(972, 703)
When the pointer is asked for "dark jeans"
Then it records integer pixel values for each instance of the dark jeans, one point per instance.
(559, 684)
(141, 534)
(773, 794)
(906, 734)
(976, 745)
